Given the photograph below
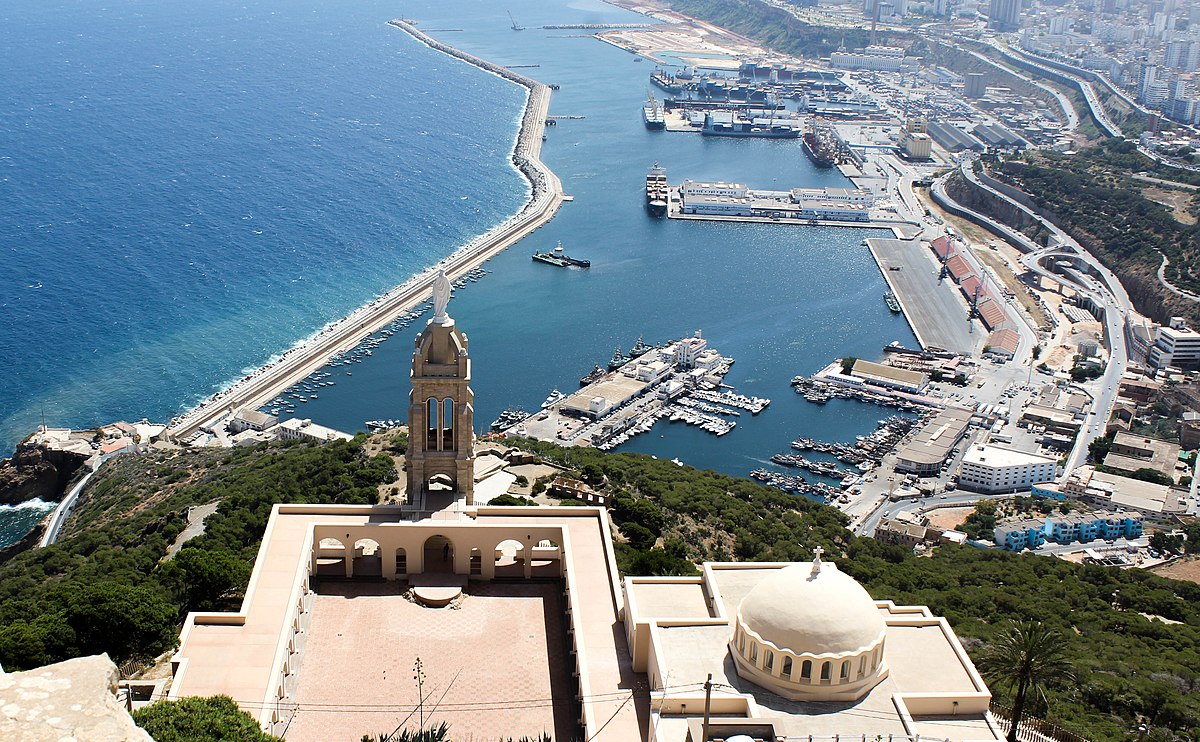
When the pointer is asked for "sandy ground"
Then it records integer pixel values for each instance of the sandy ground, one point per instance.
(1187, 569)
(948, 518)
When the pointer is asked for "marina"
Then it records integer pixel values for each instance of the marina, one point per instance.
(680, 381)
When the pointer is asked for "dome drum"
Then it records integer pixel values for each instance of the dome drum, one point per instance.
(844, 676)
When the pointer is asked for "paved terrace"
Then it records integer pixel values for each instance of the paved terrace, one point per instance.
(255, 656)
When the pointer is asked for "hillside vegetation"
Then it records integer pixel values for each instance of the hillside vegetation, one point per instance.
(1131, 668)
(106, 588)
(1094, 196)
(773, 26)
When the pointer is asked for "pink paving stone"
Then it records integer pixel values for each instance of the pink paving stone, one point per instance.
(496, 666)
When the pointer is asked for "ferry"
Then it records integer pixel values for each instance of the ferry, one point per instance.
(656, 191)
(560, 259)
(652, 113)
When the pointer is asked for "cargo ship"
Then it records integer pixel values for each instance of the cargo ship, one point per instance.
(652, 113)
(656, 190)
(557, 257)
(819, 146)
(747, 128)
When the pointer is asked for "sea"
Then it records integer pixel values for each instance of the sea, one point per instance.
(186, 191)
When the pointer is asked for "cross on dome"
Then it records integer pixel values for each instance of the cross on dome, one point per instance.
(816, 569)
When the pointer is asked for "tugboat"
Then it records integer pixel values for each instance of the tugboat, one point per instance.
(596, 374)
(892, 303)
(656, 191)
(652, 113)
(640, 348)
(557, 257)
(618, 360)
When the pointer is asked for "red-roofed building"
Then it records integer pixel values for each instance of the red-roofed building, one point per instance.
(970, 285)
(959, 268)
(942, 246)
(991, 313)
(1004, 342)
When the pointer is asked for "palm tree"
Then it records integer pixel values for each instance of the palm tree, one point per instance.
(1027, 658)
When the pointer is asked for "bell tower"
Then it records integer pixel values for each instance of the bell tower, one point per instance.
(441, 410)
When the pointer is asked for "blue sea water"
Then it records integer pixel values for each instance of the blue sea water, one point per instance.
(186, 191)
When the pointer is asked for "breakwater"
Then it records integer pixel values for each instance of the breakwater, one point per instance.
(546, 196)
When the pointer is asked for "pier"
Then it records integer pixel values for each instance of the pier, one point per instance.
(933, 307)
(303, 359)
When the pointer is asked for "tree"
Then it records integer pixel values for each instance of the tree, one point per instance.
(201, 578)
(214, 719)
(848, 364)
(1027, 658)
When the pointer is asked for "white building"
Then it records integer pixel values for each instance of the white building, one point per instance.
(991, 468)
(295, 429)
(727, 190)
(1175, 345)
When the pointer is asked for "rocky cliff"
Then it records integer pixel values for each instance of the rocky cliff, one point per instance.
(34, 471)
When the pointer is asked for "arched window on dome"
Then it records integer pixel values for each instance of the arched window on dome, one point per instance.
(826, 671)
(787, 668)
(769, 662)
(806, 671)
(845, 674)
(741, 642)
(862, 666)
(753, 653)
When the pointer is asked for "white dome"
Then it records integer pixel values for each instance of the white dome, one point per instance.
(808, 609)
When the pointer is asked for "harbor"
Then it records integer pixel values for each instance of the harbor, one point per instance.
(656, 275)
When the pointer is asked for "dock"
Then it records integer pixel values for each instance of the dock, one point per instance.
(266, 383)
(934, 308)
(680, 382)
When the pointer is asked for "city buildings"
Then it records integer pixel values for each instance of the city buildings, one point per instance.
(993, 469)
(1032, 533)
(1175, 345)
